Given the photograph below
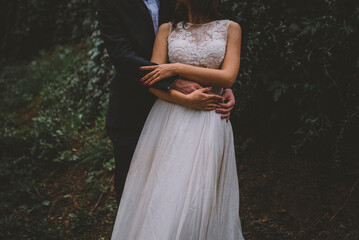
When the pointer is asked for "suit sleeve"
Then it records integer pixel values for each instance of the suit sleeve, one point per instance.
(119, 47)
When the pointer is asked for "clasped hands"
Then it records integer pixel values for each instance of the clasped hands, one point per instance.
(199, 96)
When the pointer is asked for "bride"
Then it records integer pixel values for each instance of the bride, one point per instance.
(182, 183)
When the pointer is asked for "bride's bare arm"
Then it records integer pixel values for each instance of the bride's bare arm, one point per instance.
(223, 77)
(197, 99)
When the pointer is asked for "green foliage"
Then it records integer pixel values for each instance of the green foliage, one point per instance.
(299, 62)
(299, 73)
(33, 25)
(52, 117)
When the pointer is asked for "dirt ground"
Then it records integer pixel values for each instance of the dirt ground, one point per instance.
(284, 196)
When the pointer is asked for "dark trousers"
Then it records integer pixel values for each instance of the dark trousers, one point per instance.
(124, 144)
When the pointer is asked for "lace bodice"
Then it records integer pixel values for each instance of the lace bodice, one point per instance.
(202, 45)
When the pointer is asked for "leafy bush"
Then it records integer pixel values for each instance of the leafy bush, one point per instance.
(298, 69)
(52, 117)
(33, 25)
(299, 72)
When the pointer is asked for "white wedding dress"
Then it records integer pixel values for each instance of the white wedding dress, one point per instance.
(182, 183)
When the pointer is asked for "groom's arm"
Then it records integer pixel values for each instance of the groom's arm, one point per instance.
(187, 86)
(119, 47)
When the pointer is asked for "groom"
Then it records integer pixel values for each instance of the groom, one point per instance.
(128, 28)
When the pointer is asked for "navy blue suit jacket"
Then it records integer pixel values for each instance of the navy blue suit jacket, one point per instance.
(127, 30)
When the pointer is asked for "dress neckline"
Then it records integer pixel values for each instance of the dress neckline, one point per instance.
(199, 24)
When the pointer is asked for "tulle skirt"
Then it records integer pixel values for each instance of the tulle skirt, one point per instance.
(182, 183)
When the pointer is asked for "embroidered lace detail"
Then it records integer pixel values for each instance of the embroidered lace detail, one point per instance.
(202, 45)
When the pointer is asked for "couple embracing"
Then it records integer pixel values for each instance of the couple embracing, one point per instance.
(170, 101)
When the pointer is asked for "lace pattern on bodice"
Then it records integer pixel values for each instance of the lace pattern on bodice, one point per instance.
(202, 45)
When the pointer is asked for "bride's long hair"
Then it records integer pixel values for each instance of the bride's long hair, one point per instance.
(201, 10)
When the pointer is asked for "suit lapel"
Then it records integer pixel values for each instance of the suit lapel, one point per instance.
(164, 11)
(142, 8)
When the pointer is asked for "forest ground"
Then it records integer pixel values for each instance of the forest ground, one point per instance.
(282, 197)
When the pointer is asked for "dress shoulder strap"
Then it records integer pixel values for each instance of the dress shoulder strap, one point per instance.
(171, 27)
(222, 26)
(226, 22)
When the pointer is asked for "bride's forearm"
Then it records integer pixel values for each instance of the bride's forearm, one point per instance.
(207, 76)
(171, 95)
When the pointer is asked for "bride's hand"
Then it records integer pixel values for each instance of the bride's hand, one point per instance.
(158, 72)
(201, 100)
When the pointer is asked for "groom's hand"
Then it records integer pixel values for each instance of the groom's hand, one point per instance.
(185, 86)
(201, 99)
(228, 105)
